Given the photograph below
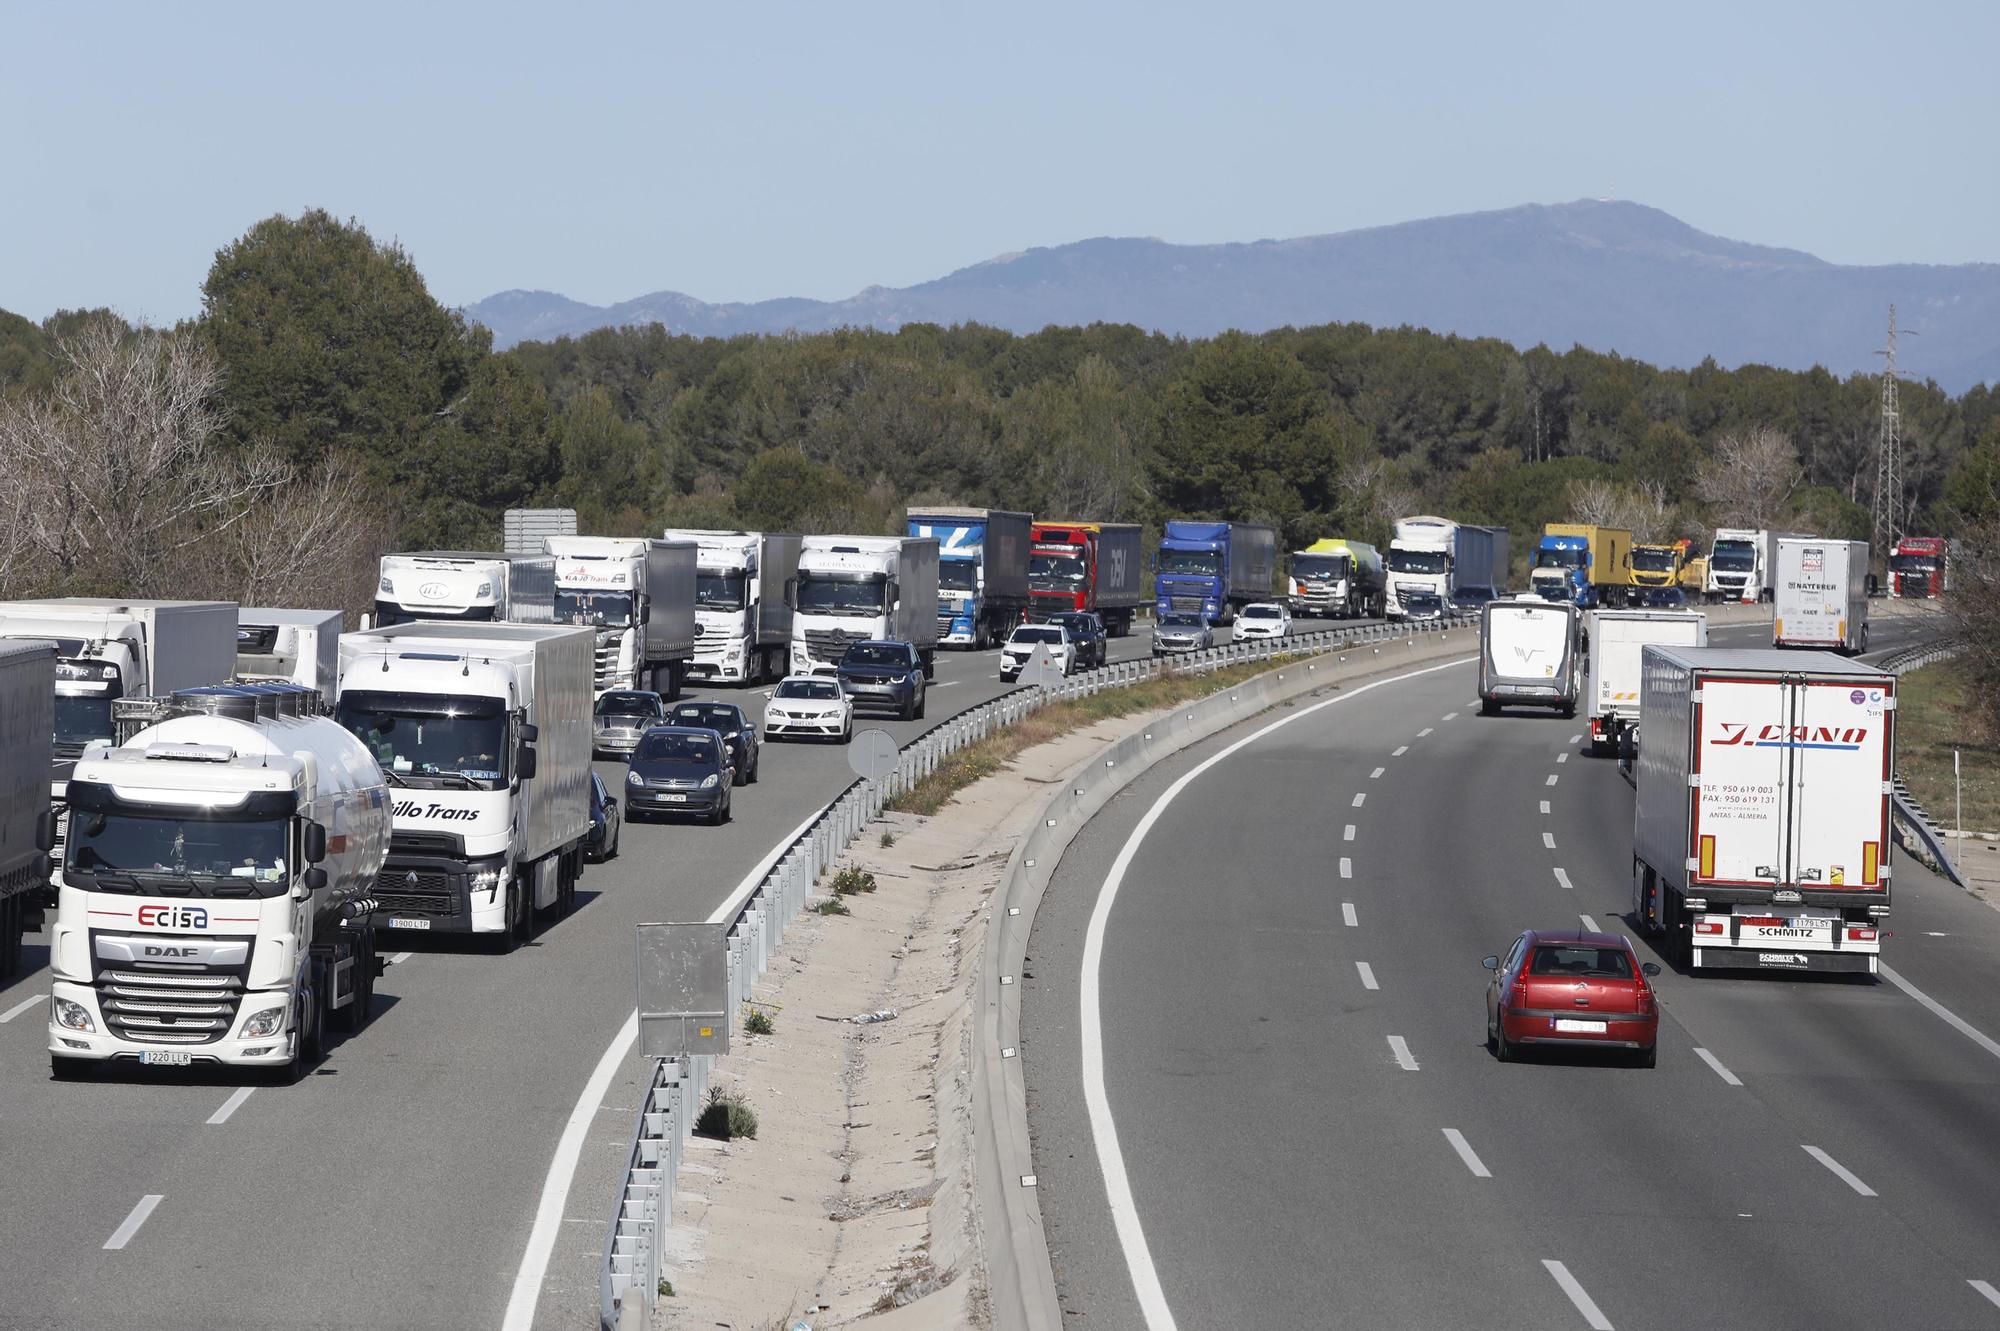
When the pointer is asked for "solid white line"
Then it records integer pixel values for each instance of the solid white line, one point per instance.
(1466, 1153)
(1346, 867)
(1840, 1171)
(1377, 773)
(1347, 915)
(1401, 749)
(123, 1234)
(1400, 1047)
(1552, 778)
(1562, 757)
(1728, 1077)
(1952, 1019)
(1986, 1291)
(1367, 975)
(400, 958)
(1562, 878)
(231, 1105)
(21, 1007)
(1593, 1316)
(1589, 924)
(1348, 835)
(1357, 800)
(1549, 840)
(1103, 1128)
(1545, 806)
(1425, 731)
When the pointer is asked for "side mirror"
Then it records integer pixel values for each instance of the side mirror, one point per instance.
(792, 593)
(1649, 968)
(45, 830)
(1491, 963)
(529, 732)
(315, 847)
(524, 764)
(315, 878)
(42, 867)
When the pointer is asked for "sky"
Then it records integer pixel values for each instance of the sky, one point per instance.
(740, 151)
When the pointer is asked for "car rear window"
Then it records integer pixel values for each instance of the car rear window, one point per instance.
(1037, 635)
(1581, 959)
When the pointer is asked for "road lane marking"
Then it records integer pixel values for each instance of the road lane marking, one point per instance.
(123, 1234)
(1576, 739)
(1950, 1018)
(1839, 1170)
(1346, 867)
(1986, 1291)
(1589, 924)
(1466, 1153)
(1545, 806)
(231, 1105)
(400, 958)
(1451, 716)
(1593, 1316)
(1728, 1077)
(21, 1007)
(1357, 800)
(1348, 835)
(1552, 778)
(1562, 757)
(1549, 840)
(1400, 1047)
(1145, 1276)
(1425, 731)
(1367, 975)
(1562, 877)
(1401, 749)
(1376, 775)
(1347, 915)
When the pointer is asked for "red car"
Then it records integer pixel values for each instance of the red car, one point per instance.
(1571, 988)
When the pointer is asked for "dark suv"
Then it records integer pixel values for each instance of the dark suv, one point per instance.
(1086, 631)
(888, 675)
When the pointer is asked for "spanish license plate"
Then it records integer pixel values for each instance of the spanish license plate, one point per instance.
(673, 799)
(409, 924)
(1578, 1026)
(167, 1058)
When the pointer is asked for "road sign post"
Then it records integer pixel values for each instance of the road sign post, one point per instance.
(872, 756)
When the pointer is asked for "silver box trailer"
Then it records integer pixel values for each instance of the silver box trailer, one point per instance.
(27, 729)
(1820, 594)
(670, 575)
(289, 646)
(1617, 638)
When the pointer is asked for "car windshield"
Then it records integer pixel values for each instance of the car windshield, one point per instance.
(421, 738)
(1055, 573)
(714, 716)
(824, 594)
(821, 690)
(958, 575)
(1416, 561)
(1582, 959)
(1262, 612)
(716, 590)
(1076, 624)
(875, 654)
(1733, 556)
(1319, 566)
(1179, 622)
(668, 747)
(628, 704)
(1037, 635)
(1653, 561)
(1205, 562)
(203, 856)
(1564, 557)
(603, 609)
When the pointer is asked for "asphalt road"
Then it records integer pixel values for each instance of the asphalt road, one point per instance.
(1314, 1133)
(394, 1187)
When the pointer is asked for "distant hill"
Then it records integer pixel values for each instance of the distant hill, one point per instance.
(1611, 276)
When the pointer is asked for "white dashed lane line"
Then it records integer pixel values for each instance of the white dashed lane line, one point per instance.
(1467, 1154)
(399, 958)
(1593, 1316)
(1425, 731)
(1838, 1170)
(1376, 775)
(1562, 757)
(1562, 877)
(1367, 974)
(1348, 835)
(21, 1007)
(1576, 739)
(1545, 806)
(1347, 916)
(1552, 778)
(231, 1105)
(1401, 749)
(1346, 867)
(1358, 799)
(123, 1234)
(1986, 1291)
(1728, 1077)
(1549, 840)
(1451, 716)
(1589, 924)
(1400, 1047)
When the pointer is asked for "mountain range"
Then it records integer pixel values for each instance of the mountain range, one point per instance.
(1608, 275)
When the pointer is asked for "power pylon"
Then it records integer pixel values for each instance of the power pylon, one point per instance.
(1888, 459)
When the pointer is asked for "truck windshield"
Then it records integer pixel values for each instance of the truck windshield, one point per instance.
(1652, 561)
(958, 575)
(1913, 563)
(1567, 557)
(81, 718)
(1416, 561)
(431, 739)
(720, 591)
(1055, 573)
(179, 855)
(1207, 563)
(1319, 566)
(1734, 556)
(611, 610)
(863, 595)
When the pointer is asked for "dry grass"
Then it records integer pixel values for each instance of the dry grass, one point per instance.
(1934, 718)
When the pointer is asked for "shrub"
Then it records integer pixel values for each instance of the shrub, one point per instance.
(726, 1117)
(888, 840)
(758, 1022)
(831, 906)
(851, 880)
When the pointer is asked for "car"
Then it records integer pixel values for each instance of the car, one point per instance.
(680, 769)
(1261, 619)
(1052, 639)
(727, 720)
(1575, 988)
(1469, 599)
(809, 705)
(620, 717)
(1659, 598)
(1421, 604)
(1176, 633)
(885, 674)
(1086, 630)
(605, 824)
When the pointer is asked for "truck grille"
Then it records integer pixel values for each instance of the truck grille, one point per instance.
(608, 676)
(189, 1005)
(830, 645)
(430, 894)
(1185, 604)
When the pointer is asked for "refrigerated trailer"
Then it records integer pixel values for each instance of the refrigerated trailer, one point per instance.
(1617, 639)
(1821, 595)
(1760, 832)
(27, 731)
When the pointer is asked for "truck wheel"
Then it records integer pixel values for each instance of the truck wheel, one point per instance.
(930, 667)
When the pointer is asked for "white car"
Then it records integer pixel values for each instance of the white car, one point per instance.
(809, 705)
(1262, 619)
(1053, 639)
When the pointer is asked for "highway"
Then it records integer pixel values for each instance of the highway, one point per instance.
(399, 1181)
(1288, 1052)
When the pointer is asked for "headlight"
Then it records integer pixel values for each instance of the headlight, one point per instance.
(486, 880)
(708, 782)
(632, 778)
(73, 1015)
(734, 734)
(386, 586)
(264, 1023)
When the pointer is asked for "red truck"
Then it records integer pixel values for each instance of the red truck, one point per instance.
(1920, 567)
(1087, 566)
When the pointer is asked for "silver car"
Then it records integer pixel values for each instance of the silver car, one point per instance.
(1176, 633)
(621, 717)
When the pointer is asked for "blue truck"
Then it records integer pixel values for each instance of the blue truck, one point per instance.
(1213, 569)
(982, 571)
(1584, 564)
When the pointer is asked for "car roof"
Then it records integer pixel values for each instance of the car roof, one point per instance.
(877, 642)
(706, 702)
(1583, 936)
(636, 695)
(698, 732)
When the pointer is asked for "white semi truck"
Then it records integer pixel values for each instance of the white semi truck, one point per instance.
(742, 610)
(483, 734)
(470, 586)
(1761, 830)
(27, 728)
(1742, 564)
(1821, 595)
(288, 647)
(638, 594)
(1616, 640)
(1431, 558)
(855, 588)
(215, 900)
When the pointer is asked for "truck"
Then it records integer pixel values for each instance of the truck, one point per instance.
(1614, 641)
(982, 571)
(525, 531)
(482, 732)
(1920, 567)
(288, 646)
(638, 593)
(742, 617)
(863, 588)
(1214, 569)
(1583, 563)
(216, 887)
(1528, 655)
(1761, 825)
(1659, 565)
(1334, 578)
(1821, 595)
(1741, 564)
(27, 731)
(1094, 566)
(1436, 557)
(470, 586)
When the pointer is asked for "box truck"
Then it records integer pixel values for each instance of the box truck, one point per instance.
(27, 730)
(982, 571)
(1761, 829)
(742, 617)
(638, 594)
(1214, 569)
(1095, 566)
(288, 647)
(856, 588)
(1821, 595)
(1335, 578)
(1528, 655)
(467, 585)
(1616, 640)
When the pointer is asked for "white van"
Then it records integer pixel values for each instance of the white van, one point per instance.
(1528, 654)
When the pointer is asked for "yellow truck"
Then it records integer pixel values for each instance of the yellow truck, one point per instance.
(1659, 565)
(1584, 564)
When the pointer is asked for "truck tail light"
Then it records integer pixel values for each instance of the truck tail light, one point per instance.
(1708, 926)
(1861, 934)
(1597, 727)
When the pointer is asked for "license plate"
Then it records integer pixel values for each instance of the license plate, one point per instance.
(409, 924)
(167, 1058)
(1579, 1026)
(674, 799)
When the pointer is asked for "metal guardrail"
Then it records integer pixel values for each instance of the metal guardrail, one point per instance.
(761, 910)
(1910, 822)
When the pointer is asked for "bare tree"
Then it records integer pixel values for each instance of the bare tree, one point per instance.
(1749, 477)
(1643, 511)
(310, 541)
(1597, 502)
